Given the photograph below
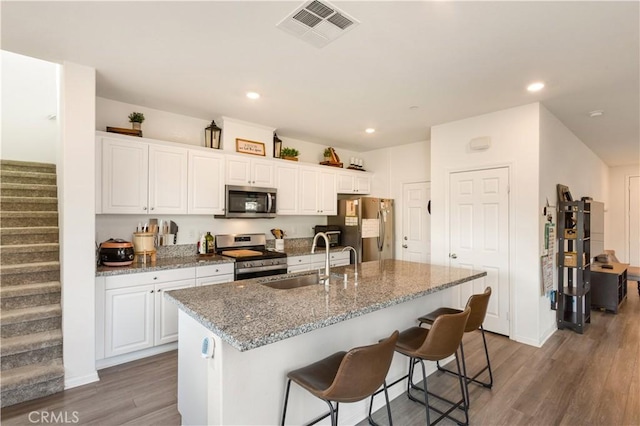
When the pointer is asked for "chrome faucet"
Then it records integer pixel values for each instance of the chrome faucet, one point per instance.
(355, 264)
(327, 267)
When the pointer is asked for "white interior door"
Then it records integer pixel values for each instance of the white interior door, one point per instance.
(416, 222)
(479, 238)
(634, 220)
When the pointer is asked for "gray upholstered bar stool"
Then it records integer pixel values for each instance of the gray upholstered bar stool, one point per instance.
(346, 377)
(478, 304)
(434, 344)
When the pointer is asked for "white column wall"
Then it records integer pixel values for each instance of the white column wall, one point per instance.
(77, 221)
(566, 160)
(514, 143)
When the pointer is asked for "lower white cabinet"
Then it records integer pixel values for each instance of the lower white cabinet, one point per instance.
(136, 315)
(133, 315)
(316, 261)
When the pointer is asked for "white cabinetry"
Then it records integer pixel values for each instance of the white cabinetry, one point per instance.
(287, 186)
(317, 191)
(136, 316)
(214, 274)
(316, 261)
(353, 182)
(138, 177)
(206, 183)
(245, 171)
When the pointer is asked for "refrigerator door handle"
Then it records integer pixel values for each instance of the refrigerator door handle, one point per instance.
(380, 232)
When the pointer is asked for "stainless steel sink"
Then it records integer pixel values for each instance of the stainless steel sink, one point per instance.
(295, 282)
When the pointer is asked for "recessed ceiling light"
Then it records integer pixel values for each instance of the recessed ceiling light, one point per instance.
(253, 95)
(596, 113)
(534, 87)
(370, 130)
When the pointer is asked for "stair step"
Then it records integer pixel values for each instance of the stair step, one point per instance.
(32, 381)
(29, 273)
(30, 349)
(25, 295)
(33, 204)
(28, 219)
(14, 165)
(18, 322)
(31, 190)
(25, 253)
(38, 235)
(10, 176)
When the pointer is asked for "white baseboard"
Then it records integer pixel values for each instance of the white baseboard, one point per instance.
(74, 382)
(133, 356)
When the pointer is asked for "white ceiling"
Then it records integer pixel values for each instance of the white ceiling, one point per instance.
(452, 60)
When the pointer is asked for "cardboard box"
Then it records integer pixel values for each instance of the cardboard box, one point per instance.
(571, 258)
(570, 234)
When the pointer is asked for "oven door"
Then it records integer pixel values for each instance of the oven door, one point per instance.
(260, 271)
(250, 202)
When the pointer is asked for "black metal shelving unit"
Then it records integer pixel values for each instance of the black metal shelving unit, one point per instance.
(574, 268)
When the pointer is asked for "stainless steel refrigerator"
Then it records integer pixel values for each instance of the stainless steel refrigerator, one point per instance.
(367, 225)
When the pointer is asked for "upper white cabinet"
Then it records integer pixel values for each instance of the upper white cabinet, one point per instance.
(206, 183)
(143, 178)
(287, 186)
(353, 182)
(317, 191)
(244, 171)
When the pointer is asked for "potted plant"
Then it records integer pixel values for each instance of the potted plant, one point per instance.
(327, 154)
(136, 119)
(289, 154)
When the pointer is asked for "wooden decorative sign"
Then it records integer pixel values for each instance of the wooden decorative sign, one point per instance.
(250, 147)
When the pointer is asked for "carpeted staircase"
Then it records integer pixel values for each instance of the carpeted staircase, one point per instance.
(30, 319)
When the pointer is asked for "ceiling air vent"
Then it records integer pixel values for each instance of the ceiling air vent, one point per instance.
(317, 22)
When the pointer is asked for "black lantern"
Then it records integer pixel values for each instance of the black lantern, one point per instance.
(277, 146)
(212, 136)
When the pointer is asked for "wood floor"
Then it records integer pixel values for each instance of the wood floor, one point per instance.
(589, 379)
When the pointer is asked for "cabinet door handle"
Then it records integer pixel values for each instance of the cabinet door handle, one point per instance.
(159, 290)
(153, 208)
(151, 291)
(144, 208)
(453, 255)
(155, 278)
(405, 246)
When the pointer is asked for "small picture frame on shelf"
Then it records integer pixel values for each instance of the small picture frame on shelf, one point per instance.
(250, 147)
(563, 193)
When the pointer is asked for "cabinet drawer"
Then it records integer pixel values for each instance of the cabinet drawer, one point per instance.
(341, 255)
(211, 270)
(298, 260)
(130, 280)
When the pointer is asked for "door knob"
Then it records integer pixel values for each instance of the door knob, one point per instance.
(405, 246)
(453, 255)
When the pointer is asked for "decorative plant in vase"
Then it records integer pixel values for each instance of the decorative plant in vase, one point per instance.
(136, 119)
(289, 154)
(327, 154)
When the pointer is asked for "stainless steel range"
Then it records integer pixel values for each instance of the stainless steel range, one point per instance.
(252, 259)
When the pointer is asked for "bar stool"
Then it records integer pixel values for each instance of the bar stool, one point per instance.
(434, 344)
(478, 304)
(346, 377)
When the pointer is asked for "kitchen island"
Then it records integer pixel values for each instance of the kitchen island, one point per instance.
(258, 334)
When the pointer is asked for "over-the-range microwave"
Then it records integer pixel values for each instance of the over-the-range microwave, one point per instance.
(249, 202)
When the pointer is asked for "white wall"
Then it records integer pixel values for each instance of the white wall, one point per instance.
(395, 167)
(564, 159)
(77, 220)
(514, 138)
(29, 97)
(158, 124)
(616, 237)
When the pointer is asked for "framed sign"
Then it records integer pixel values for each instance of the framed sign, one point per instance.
(249, 147)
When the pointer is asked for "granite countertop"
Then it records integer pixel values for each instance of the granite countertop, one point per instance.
(247, 315)
(161, 265)
(191, 261)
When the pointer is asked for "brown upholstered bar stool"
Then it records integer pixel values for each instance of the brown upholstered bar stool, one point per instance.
(346, 377)
(434, 344)
(478, 304)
